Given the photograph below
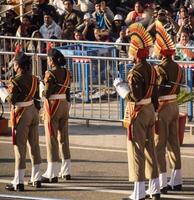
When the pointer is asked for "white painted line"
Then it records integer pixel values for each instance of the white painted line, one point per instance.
(27, 197)
(95, 149)
(65, 186)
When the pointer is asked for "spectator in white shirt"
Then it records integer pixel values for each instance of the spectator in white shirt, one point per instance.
(50, 28)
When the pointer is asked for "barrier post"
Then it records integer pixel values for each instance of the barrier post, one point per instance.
(87, 74)
(190, 85)
(122, 103)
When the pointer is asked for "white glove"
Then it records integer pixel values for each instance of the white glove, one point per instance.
(117, 81)
(121, 87)
(41, 89)
(3, 93)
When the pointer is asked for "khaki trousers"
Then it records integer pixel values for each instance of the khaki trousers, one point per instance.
(142, 161)
(27, 133)
(59, 142)
(167, 136)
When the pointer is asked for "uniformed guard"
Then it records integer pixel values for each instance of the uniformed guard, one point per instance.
(23, 95)
(140, 116)
(169, 74)
(56, 106)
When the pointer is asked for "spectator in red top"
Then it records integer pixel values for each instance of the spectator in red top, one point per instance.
(136, 15)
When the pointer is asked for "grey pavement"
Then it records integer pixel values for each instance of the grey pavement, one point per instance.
(99, 166)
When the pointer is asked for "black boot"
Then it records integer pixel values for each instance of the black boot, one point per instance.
(47, 180)
(156, 197)
(19, 187)
(36, 184)
(164, 190)
(175, 188)
(67, 177)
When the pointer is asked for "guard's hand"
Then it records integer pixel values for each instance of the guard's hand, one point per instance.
(41, 89)
(117, 81)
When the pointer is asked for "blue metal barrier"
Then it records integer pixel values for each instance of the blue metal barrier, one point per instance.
(85, 50)
(190, 86)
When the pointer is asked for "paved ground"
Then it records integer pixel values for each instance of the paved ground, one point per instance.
(99, 166)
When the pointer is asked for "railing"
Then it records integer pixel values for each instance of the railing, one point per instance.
(93, 66)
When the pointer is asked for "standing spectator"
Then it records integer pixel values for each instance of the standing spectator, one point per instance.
(169, 24)
(50, 28)
(36, 16)
(136, 15)
(56, 105)
(45, 7)
(106, 9)
(103, 20)
(70, 14)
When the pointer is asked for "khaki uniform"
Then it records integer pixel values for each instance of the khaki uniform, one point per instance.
(168, 114)
(26, 128)
(141, 154)
(57, 139)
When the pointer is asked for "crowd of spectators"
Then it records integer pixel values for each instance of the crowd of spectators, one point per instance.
(101, 20)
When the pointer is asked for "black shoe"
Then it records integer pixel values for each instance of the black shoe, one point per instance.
(19, 187)
(164, 190)
(54, 180)
(156, 197)
(36, 184)
(175, 188)
(67, 177)
(47, 180)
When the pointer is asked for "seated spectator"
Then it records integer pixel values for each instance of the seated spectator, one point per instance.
(10, 21)
(50, 28)
(70, 14)
(122, 49)
(136, 15)
(35, 46)
(182, 15)
(87, 27)
(117, 26)
(68, 29)
(26, 28)
(103, 20)
(189, 26)
(101, 35)
(78, 35)
(184, 53)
